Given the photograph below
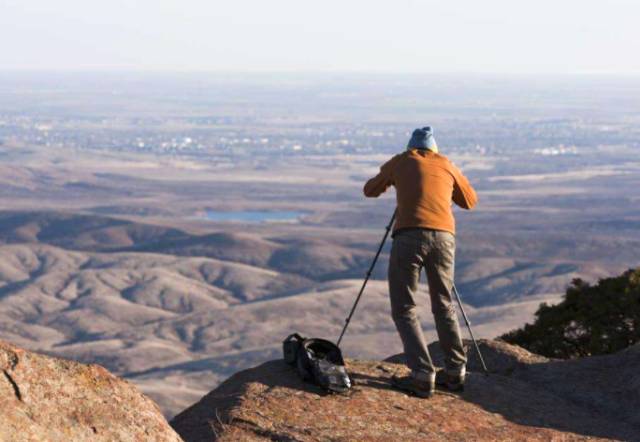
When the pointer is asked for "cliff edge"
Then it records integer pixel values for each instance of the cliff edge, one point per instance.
(526, 397)
(50, 399)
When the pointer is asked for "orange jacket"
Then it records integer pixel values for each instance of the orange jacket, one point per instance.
(425, 183)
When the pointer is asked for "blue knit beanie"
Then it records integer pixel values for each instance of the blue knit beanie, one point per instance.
(423, 139)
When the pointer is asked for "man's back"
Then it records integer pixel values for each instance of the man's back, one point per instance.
(426, 184)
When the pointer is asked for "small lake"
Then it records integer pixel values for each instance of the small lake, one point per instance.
(254, 216)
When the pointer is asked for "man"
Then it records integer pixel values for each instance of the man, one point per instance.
(426, 183)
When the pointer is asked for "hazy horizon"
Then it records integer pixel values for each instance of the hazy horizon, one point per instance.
(285, 35)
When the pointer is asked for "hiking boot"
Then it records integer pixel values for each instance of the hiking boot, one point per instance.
(423, 388)
(452, 382)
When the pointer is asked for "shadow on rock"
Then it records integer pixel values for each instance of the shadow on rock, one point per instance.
(573, 396)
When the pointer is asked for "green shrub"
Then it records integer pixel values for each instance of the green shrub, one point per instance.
(590, 320)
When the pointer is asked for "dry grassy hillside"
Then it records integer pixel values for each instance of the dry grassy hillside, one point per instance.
(177, 311)
(177, 326)
(491, 268)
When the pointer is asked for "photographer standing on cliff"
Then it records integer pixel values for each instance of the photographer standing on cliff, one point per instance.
(426, 183)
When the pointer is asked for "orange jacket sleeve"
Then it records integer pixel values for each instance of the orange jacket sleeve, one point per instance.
(377, 185)
(463, 193)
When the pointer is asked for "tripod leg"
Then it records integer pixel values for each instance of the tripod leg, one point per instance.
(466, 320)
(366, 279)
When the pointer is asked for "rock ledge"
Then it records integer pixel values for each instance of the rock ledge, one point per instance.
(50, 399)
(517, 402)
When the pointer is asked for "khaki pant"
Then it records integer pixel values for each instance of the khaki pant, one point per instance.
(433, 250)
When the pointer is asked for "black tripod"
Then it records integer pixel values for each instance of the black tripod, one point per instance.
(466, 320)
(366, 279)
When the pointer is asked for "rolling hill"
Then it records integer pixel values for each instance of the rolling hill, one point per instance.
(177, 312)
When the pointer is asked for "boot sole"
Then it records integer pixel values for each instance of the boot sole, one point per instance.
(417, 393)
(421, 394)
(452, 387)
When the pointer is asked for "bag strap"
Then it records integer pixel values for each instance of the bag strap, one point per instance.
(294, 336)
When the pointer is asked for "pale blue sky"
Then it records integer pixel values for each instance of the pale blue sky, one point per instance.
(503, 36)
